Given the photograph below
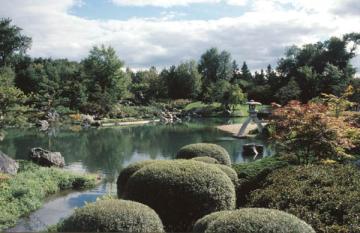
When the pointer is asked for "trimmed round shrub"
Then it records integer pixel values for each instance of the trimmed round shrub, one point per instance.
(181, 191)
(204, 149)
(252, 220)
(231, 173)
(206, 159)
(127, 172)
(113, 216)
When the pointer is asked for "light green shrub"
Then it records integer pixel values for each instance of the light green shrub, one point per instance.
(206, 159)
(252, 220)
(181, 191)
(204, 149)
(113, 216)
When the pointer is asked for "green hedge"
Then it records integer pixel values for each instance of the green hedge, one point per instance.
(206, 159)
(325, 196)
(252, 220)
(251, 175)
(181, 191)
(127, 172)
(113, 216)
(204, 149)
(231, 173)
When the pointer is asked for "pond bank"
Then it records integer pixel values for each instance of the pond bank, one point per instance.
(234, 129)
(26, 191)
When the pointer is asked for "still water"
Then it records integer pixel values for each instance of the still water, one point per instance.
(108, 150)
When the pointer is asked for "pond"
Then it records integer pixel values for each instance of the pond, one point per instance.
(107, 151)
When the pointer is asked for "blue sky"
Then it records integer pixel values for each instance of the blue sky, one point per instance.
(161, 33)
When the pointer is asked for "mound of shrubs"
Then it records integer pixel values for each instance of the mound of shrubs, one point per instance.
(252, 220)
(181, 191)
(127, 172)
(325, 196)
(251, 175)
(206, 159)
(112, 216)
(204, 149)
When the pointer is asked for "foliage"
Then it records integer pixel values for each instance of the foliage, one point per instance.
(26, 191)
(252, 174)
(252, 220)
(339, 104)
(113, 216)
(127, 172)
(325, 196)
(181, 191)
(204, 149)
(206, 159)
(107, 82)
(291, 91)
(231, 173)
(308, 131)
(11, 40)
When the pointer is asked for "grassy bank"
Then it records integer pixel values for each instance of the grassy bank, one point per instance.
(26, 191)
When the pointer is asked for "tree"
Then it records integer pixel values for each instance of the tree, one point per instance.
(11, 40)
(236, 96)
(185, 83)
(338, 104)
(107, 83)
(289, 92)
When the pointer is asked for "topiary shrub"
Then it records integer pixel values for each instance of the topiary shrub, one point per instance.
(325, 196)
(181, 191)
(231, 173)
(206, 159)
(252, 220)
(127, 172)
(204, 149)
(113, 216)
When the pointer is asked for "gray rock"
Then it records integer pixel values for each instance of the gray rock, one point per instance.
(253, 150)
(47, 158)
(8, 165)
(44, 125)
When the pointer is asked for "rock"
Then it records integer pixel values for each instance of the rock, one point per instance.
(357, 163)
(252, 149)
(46, 158)
(96, 124)
(8, 165)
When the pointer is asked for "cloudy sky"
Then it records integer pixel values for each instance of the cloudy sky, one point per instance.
(165, 32)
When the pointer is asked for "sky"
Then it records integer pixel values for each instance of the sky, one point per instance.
(161, 33)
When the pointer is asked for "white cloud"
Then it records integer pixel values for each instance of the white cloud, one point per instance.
(259, 36)
(171, 3)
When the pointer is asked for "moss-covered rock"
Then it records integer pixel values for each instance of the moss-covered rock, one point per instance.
(127, 172)
(206, 159)
(113, 216)
(204, 149)
(181, 191)
(252, 220)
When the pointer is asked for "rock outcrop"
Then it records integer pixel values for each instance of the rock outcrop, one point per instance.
(8, 165)
(47, 158)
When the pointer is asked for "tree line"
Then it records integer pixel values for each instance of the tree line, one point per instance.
(101, 80)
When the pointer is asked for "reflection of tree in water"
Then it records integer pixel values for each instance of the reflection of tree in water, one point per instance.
(108, 149)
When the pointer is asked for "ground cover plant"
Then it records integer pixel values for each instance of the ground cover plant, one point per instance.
(25, 192)
(325, 196)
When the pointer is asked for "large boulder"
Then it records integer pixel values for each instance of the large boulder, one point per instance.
(251, 220)
(181, 191)
(46, 158)
(204, 149)
(113, 216)
(8, 165)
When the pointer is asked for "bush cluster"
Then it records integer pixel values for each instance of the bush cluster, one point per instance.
(23, 193)
(206, 159)
(113, 216)
(204, 149)
(325, 196)
(252, 174)
(127, 172)
(251, 220)
(181, 191)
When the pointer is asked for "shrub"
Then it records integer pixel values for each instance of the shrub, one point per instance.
(252, 174)
(325, 196)
(113, 216)
(181, 191)
(231, 173)
(204, 149)
(206, 159)
(127, 172)
(252, 220)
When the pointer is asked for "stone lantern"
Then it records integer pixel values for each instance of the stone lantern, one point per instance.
(251, 118)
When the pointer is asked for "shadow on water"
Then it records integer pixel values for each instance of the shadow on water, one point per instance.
(107, 151)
